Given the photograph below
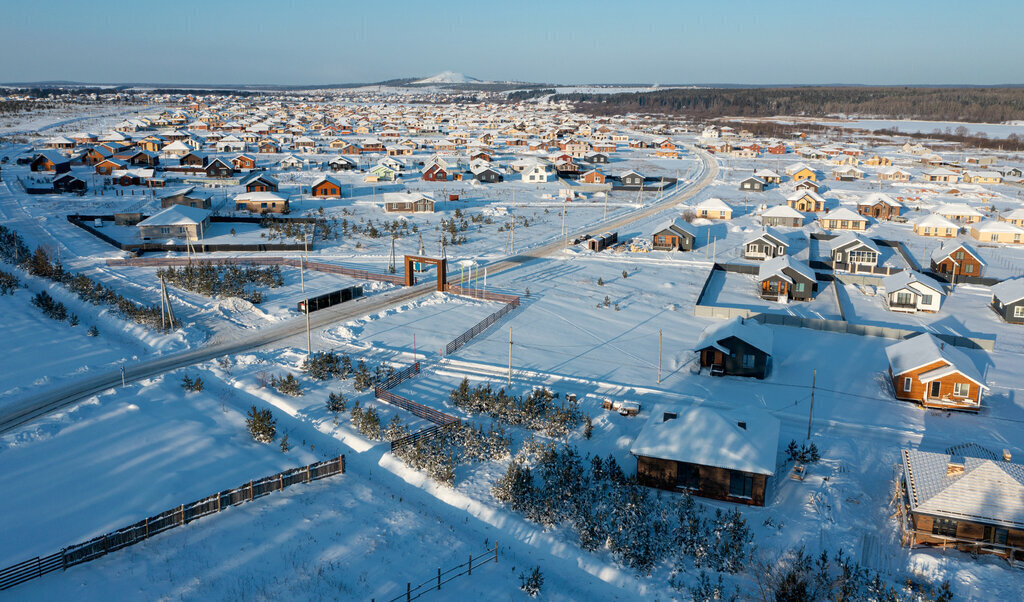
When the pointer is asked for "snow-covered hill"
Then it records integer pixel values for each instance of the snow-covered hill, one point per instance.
(449, 77)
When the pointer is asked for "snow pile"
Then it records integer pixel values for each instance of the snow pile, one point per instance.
(448, 77)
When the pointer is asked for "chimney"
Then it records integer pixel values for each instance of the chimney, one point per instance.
(955, 465)
(1007, 457)
(668, 416)
(742, 425)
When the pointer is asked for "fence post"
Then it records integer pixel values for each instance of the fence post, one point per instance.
(408, 591)
(495, 552)
(470, 572)
(438, 578)
(250, 491)
(182, 509)
(307, 473)
(342, 463)
(280, 481)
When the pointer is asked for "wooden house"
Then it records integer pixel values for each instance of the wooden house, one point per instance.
(894, 174)
(262, 202)
(782, 215)
(940, 174)
(768, 176)
(341, 164)
(677, 235)
(843, 219)
(1015, 217)
(878, 161)
(752, 184)
(960, 212)
(435, 173)
(243, 163)
(489, 175)
(408, 202)
(260, 182)
(957, 258)
(68, 184)
(593, 176)
(737, 347)
(326, 187)
(49, 161)
(765, 245)
(935, 374)
(1008, 300)
(967, 500)
(186, 196)
(784, 278)
(193, 159)
(983, 177)
(879, 206)
(666, 148)
(268, 147)
(808, 185)
(95, 154)
(632, 179)
(803, 173)
(219, 168)
(107, 167)
(908, 291)
(59, 142)
(806, 201)
(717, 454)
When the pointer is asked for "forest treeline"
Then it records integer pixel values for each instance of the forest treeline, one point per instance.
(978, 105)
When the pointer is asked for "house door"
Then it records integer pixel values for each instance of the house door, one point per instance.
(934, 388)
(711, 357)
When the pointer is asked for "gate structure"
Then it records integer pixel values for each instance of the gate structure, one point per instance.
(442, 270)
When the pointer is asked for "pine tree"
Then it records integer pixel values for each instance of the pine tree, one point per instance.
(284, 444)
(93, 331)
(588, 428)
(262, 424)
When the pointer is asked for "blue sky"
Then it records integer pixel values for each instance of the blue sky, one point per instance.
(317, 41)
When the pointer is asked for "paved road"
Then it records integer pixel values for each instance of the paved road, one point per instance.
(31, 407)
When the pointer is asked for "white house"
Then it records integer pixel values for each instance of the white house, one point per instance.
(910, 291)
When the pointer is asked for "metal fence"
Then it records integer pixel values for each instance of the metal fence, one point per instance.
(425, 412)
(481, 326)
(401, 376)
(435, 583)
(175, 517)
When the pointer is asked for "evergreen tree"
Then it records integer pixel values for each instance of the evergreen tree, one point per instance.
(262, 425)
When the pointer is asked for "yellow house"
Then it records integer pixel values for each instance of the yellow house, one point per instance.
(805, 173)
(936, 225)
(361, 130)
(806, 201)
(998, 232)
(983, 177)
(843, 219)
(713, 209)
(878, 161)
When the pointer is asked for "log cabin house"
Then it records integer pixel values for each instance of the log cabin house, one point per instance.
(928, 371)
(721, 455)
(879, 206)
(956, 259)
(326, 187)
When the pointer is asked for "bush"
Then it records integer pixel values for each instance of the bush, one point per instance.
(289, 385)
(93, 331)
(532, 584)
(323, 365)
(262, 425)
(807, 454)
(336, 403)
(8, 283)
(537, 411)
(50, 307)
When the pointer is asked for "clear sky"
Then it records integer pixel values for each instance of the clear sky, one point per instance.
(664, 41)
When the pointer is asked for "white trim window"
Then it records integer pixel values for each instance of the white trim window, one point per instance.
(1018, 311)
(907, 384)
(961, 390)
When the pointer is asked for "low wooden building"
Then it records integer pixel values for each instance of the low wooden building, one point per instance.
(677, 235)
(782, 215)
(972, 502)
(716, 454)
(260, 182)
(408, 202)
(806, 201)
(262, 202)
(326, 187)
(935, 225)
(752, 184)
(175, 222)
(843, 219)
(186, 196)
(997, 232)
(931, 372)
(911, 292)
(957, 259)
(765, 245)
(50, 162)
(738, 347)
(879, 206)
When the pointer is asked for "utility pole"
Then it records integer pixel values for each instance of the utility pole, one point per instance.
(810, 414)
(509, 356)
(305, 304)
(659, 356)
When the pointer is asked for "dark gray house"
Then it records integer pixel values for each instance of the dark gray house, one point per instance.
(752, 184)
(766, 245)
(489, 176)
(596, 158)
(1008, 300)
(632, 178)
(739, 346)
(785, 278)
(677, 235)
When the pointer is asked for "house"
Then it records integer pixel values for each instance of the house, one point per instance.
(957, 259)
(1015, 217)
(539, 173)
(799, 171)
(193, 159)
(878, 161)
(243, 163)
(810, 185)
(983, 177)
(59, 142)
(435, 173)
(960, 212)
(408, 202)
(262, 202)
(968, 500)
(843, 219)
(677, 235)
(186, 196)
(997, 231)
(879, 206)
(176, 221)
(96, 154)
(489, 175)
(738, 346)
(326, 187)
(383, 173)
(268, 147)
(632, 179)
(341, 164)
(717, 454)
(782, 215)
(766, 245)
(713, 208)
(909, 291)
(935, 225)
(940, 174)
(50, 161)
(178, 148)
(596, 158)
(783, 278)
(769, 176)
(752, 184)
(67, 183)
(260, 182)
(807, 201)
(593, 176)
(1008, 300)
(847, 173)
(852, 252)
(935, 374)
(219, 168)
(291, 162)
(108, 166)
(894, 174)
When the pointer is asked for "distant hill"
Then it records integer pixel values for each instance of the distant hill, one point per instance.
(449, 77)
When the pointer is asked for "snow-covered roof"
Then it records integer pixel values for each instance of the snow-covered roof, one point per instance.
(994, 226)
(903, 279)
(678, 224)
(707, 437)
(880, 197)
(1009, 291)
(765, 173)
(177, 215)
(986, 491)
(752, 332)
(263, 195)
(923, 349)
(843, 213)
(799, 194)
(784, 211)
(934, 220)
(853, 239)
(715, 204)
(776, 237)
(776, 265)
(948, 247)
(958, 209)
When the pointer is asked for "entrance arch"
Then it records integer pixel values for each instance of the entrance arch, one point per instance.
(442, 270)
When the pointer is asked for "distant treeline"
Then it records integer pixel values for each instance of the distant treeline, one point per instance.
(979, 105)
(521, 95)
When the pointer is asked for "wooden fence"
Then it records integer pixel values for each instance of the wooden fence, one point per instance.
(427, 433)
(175, 517)
(512, 302)
(327, 268)
(435, 583)
(425, 412)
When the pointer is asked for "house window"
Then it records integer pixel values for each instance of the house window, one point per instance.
(961, 390)
(904, 298)
(907, 383)
(969, 268)
(741, 485)
(995, 535)
(944, 527)
(936, 389)
(687, 476)
(994, 238)
(926, 299)
(799, 287)
(959, 255)
(748, 360)
(1018, 311)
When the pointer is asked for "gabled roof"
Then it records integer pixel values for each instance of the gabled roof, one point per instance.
(948, 247)
(958, 209)
(987, 491)
(923, 349)
(843, 213)
(679, 225)
(852, 240)
(903, 279)
(700, 435)
(774, 236)
(52, 156)
(1009, 291)
(784, 211)
(799, 194)
(715, 204)
(749, 331)
(776, 266)
(879, 197)
(934, 220)
(262, 196)
(995, 226)
(327, 179)
(177, 215)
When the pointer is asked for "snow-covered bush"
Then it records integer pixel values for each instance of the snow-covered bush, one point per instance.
(536, 411)
(262, 425)
(289, 385)
(532, 583)
(8, 283)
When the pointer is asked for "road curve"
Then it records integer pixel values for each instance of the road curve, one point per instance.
(27, 409)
